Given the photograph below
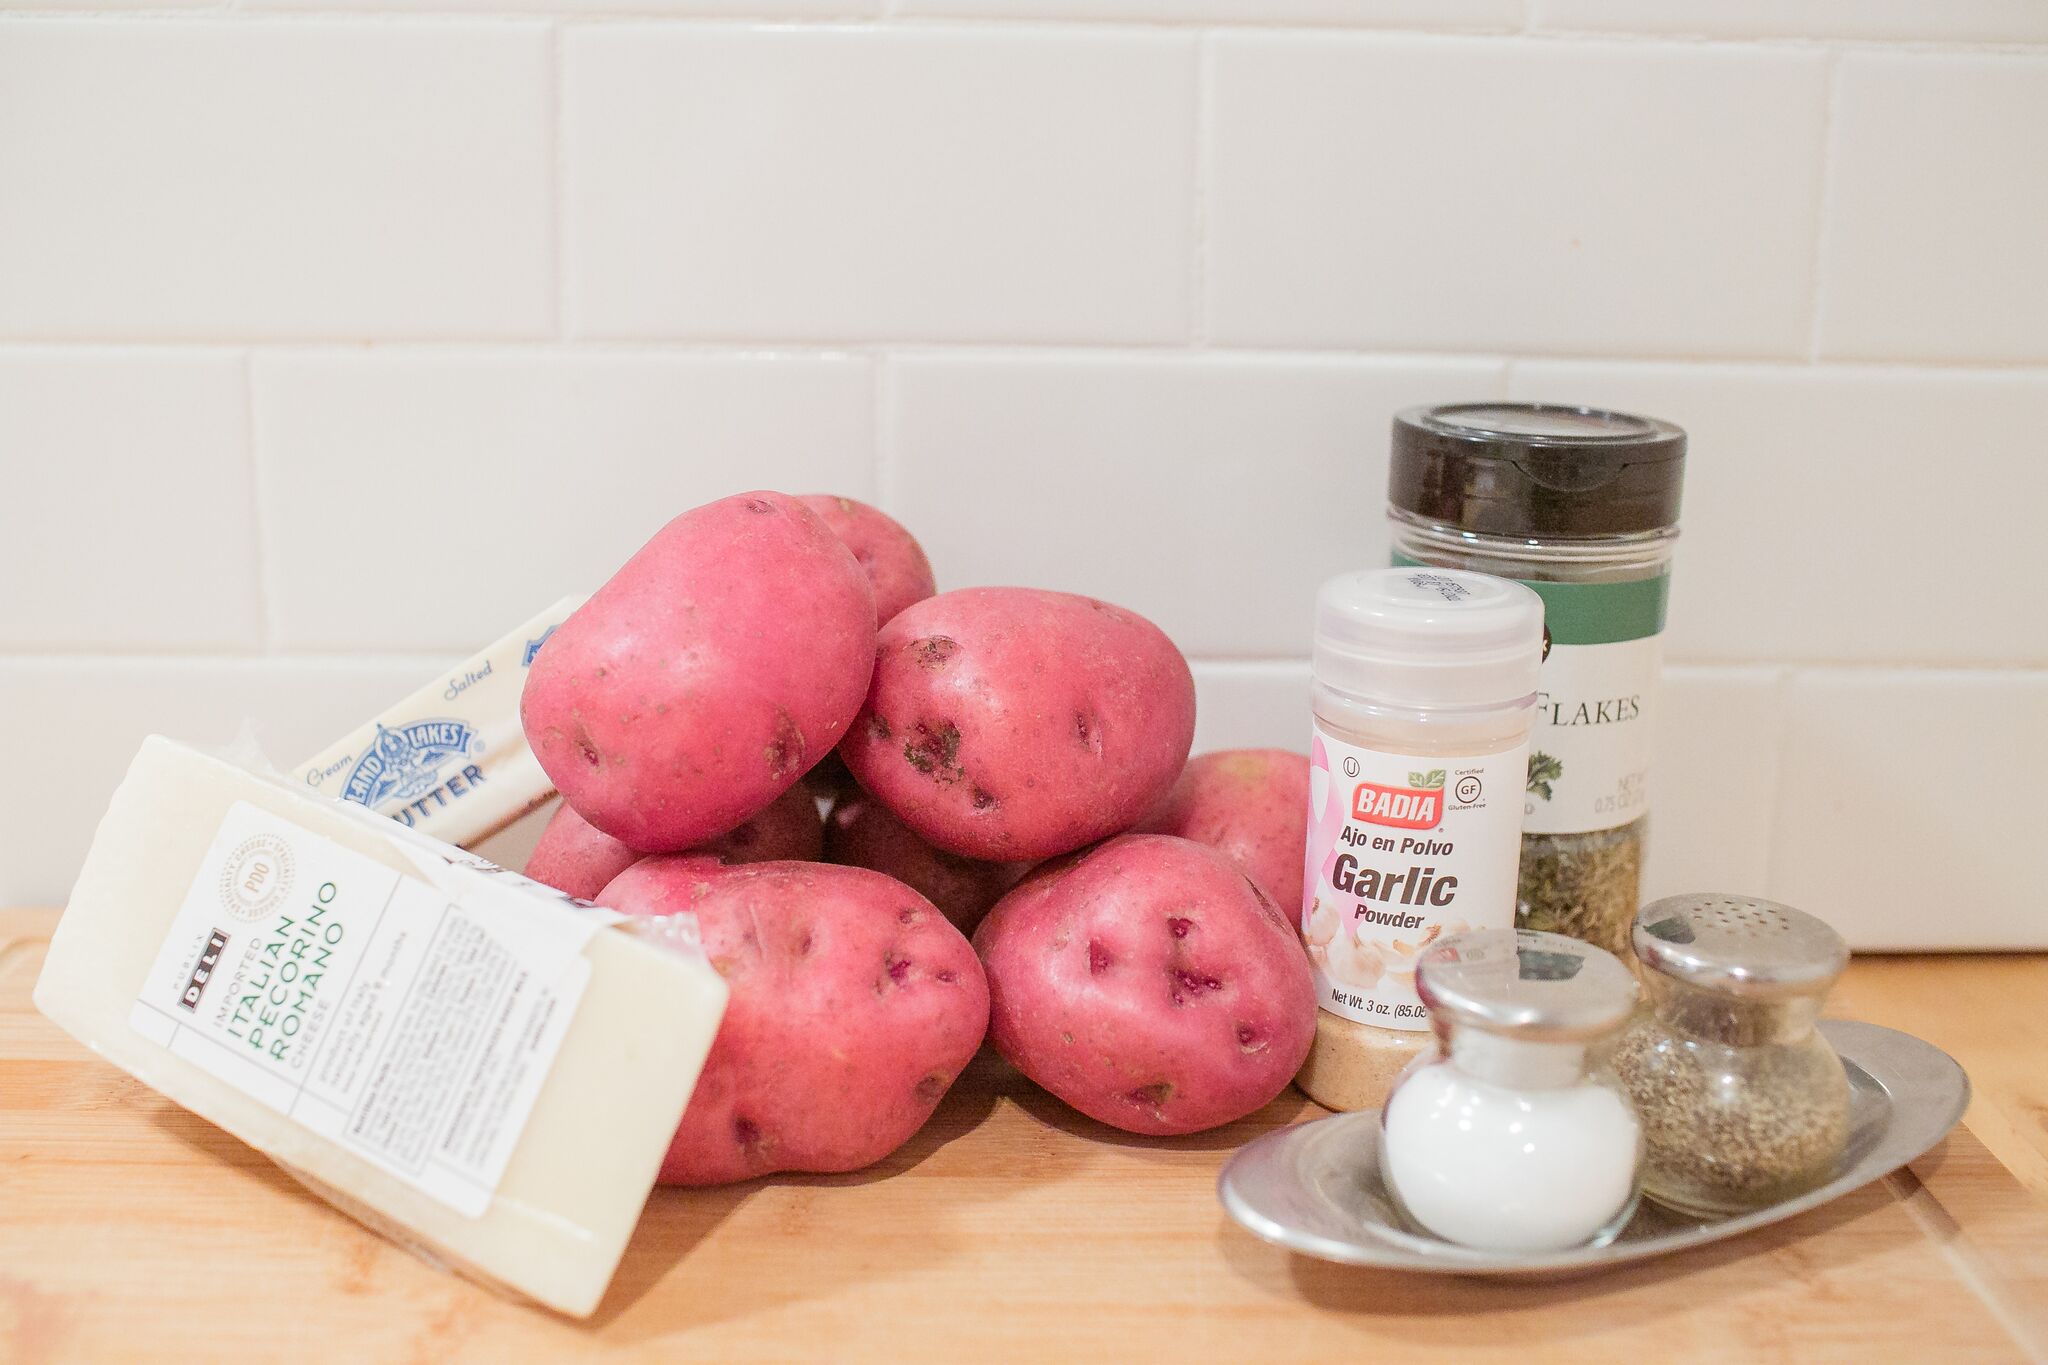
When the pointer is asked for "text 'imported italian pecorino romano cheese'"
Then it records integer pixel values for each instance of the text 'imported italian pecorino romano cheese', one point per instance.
(476, 1065)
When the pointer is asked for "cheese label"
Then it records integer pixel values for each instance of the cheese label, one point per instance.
(411, 1021)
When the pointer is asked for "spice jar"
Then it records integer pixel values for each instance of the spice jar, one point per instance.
(1743, 1103)
(1423, 684)
(1513, 1134)
(1581, 505)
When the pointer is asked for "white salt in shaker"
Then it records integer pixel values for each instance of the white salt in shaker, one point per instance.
(1513, 1134)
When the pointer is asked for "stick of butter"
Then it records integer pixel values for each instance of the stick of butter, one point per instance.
(451, 759)
(482, 1067)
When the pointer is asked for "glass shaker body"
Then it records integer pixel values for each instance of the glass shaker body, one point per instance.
(1517, 1147)
(1743, 1103)
(1512, 1132)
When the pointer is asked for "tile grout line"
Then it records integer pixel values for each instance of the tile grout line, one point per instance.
(260, 523)
(1200, 324)
(804, 349)
(558, 187)
(1781, 734)
(644, 12)
(59, 656)
(882, 424)
(1824, 202)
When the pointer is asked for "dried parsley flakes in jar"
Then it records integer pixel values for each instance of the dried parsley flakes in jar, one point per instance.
(1742, 1101)
(1581, 504)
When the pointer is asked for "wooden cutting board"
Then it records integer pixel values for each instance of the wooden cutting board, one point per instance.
(1009, 1229)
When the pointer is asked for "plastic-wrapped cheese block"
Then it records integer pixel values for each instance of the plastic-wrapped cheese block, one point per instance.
(451, 760)
(481, 1067)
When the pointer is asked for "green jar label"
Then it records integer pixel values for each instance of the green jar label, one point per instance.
(1589, 749)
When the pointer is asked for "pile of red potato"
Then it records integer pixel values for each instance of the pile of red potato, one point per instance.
(1009, 763)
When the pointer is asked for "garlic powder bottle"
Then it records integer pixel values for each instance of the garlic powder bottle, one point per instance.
(1424, 687)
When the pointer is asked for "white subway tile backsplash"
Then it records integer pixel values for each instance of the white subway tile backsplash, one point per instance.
(126, 513)
(1947, 20)
(428, 501)
(1910, 814)
(1210, 493)
(1251, 704)
(1936, 240)
(1434, 193)
(1843, 512)
(1714, 782)
(888, 184)
(1423, 14)
(90, 715)
(195, 178)
(1101, 270)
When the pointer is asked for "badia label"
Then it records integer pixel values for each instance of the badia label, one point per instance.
(1402, 849)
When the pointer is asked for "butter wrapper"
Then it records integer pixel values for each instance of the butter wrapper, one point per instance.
(451, 759)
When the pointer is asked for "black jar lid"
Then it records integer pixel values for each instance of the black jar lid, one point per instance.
(1536, 470)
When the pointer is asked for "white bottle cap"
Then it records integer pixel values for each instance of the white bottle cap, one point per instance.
(1421, 637)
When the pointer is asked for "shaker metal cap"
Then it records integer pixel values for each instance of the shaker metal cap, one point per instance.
(1537, 986)
(1739, 944)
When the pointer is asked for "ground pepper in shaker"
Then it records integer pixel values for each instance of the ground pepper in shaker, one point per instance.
(1514, 1135)
(1743, 1102)
(1582, 505)
(1422, 685)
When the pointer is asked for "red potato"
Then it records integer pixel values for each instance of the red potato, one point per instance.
(1149, 984)
(1012, 724)
(854, 1007)
(724, 659)
(1251, 805)
(575, 856)
(894, 561)
(788, 830)
(862, 833)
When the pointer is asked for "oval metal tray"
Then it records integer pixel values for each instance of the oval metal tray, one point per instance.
(1315, 1188)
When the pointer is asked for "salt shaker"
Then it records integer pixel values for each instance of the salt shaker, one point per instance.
(1512, 1134)
(1743, 1103)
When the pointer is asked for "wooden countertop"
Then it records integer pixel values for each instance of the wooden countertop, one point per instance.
(1009, 1229)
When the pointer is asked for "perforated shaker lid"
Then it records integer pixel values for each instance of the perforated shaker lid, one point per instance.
(1536, 986)
(1739, 944)
(1424, 637)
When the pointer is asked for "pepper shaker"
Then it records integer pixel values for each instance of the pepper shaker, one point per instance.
(1743, 1102)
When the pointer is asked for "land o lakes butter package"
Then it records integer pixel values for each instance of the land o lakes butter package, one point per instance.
(450, 760)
